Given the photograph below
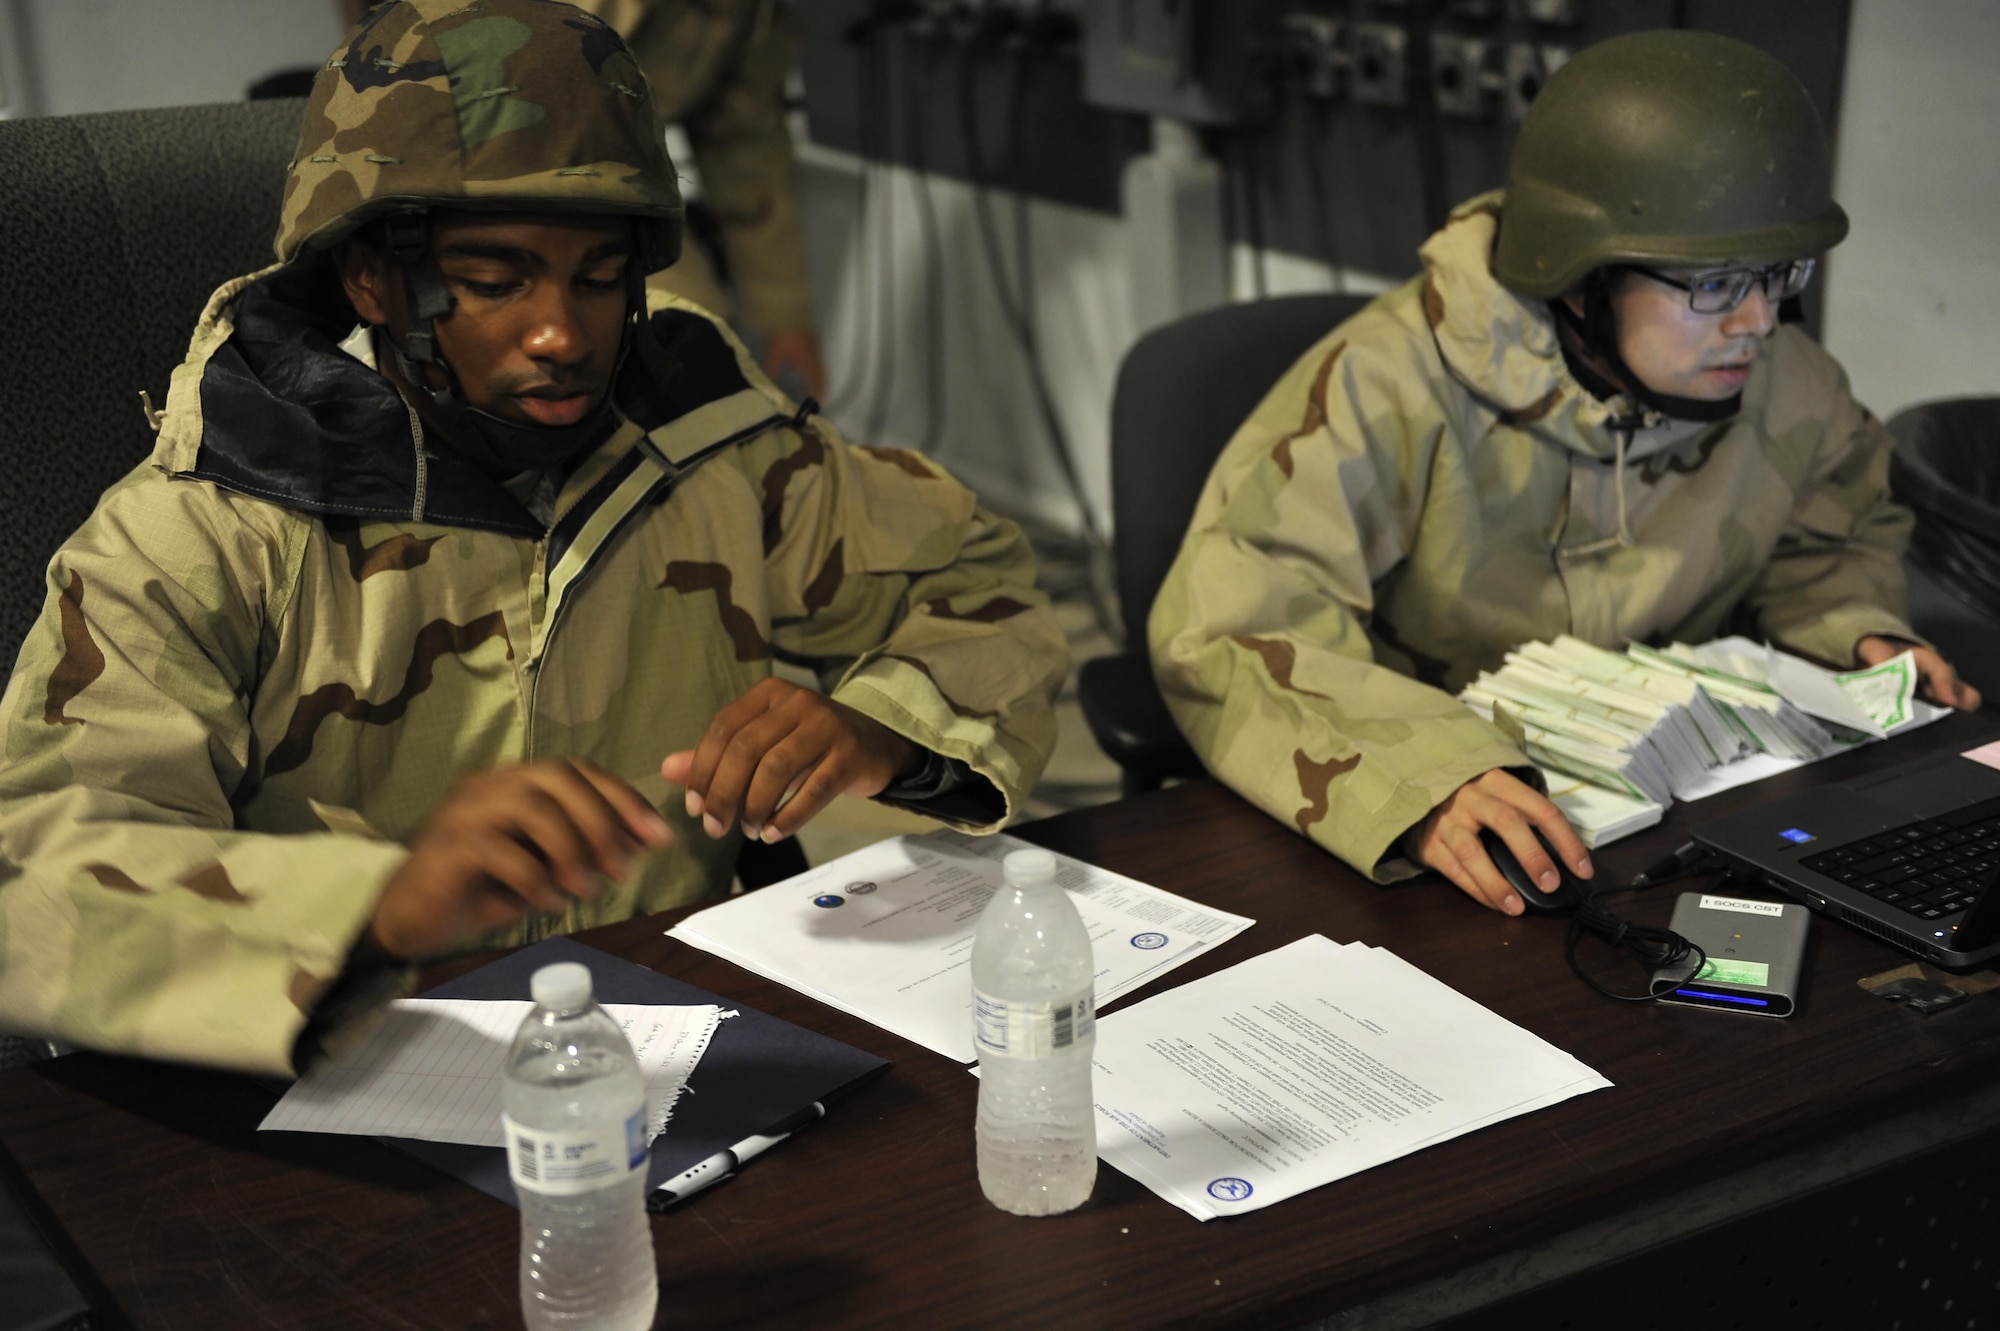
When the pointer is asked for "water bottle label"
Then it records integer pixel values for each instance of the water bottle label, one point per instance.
(1030, 1030)
(581, 1160)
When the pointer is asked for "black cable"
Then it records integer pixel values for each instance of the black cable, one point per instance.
(933, 264)
(850, 389)
(1253, 213)
(1424, 118)
(884, 287)
(1652, 947)
(1017, 309)
(1315, 136)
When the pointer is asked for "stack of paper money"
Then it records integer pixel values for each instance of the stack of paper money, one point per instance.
(1607, 718)
(1734, 675)
(1620, 736)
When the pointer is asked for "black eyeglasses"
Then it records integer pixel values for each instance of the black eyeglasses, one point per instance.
(1722, 290)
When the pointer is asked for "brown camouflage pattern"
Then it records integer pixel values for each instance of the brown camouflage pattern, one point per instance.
(1430, 486)
(718, 69)
(231, 716)
(495, 104)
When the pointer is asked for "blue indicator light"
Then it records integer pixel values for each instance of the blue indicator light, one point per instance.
(1744, 999)
(1797, 837)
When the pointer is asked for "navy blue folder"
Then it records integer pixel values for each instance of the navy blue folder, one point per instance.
(758, 1071)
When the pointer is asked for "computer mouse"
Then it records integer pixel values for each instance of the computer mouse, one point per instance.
(1569, 894)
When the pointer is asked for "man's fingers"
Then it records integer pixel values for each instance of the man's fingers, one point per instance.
(641, 819)
(809, 793)
(1488, 886)
(539, 820)
(594, 838)
(780, 772)
(745, 754)
(1512, 827)
(1562, 838)
(1946, 688)
(519, 870)
(715, 741)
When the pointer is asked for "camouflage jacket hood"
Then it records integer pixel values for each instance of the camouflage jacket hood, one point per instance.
(272, 649)
(276, 407)
(1504, 350)
(1430, 486)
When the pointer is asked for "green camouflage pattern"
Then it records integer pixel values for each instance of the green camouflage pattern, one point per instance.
(1430, 486)
(498, 104)
(231, 716)
(718, 69)
(1666, 148)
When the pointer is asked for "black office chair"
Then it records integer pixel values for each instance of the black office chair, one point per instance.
(114, 230)
(1946, 467)
(117, 227)
(1182, 391)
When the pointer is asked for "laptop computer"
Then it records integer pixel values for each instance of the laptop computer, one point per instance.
(1910, 854)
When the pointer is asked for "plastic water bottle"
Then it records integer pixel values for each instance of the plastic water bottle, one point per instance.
(1035, 1025)
(576, 1146)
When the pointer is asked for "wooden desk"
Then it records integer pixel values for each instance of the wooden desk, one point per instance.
(875, 1218)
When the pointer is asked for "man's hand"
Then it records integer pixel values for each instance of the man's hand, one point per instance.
(1448, 840)
(510, 841)
(796, 349)
(1941, 683)
(780, 740)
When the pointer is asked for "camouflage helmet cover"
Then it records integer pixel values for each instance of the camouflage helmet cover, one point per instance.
(1671, 147)
(499, 104)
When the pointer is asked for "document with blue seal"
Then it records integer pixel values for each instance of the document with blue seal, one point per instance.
(1304, 1065)
(885, 933)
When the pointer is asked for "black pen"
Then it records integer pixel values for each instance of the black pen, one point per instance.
(724, 1163)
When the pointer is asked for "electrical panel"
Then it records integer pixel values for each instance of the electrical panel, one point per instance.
(1199, 61)
(1348, 127)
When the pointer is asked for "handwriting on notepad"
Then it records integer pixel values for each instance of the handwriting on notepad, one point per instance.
(434, 1070)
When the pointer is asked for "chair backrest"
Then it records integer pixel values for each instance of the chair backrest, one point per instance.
(114, 230)
(1946, 468)
(1182, 391)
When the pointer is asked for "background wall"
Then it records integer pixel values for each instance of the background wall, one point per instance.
(1913, 299)
(923, 352)
(115, 55)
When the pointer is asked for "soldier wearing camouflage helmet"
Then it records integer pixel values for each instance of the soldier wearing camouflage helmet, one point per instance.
(444, 612)
(1582, 418)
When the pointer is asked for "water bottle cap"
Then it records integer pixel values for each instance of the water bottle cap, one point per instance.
(1026, 868)
(562, 986)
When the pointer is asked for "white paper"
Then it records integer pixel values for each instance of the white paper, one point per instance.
(434, 1069)
(1599, 816)
(886, 933)
(1302, 1066)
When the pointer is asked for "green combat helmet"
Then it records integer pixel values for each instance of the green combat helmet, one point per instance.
(1666, 149)
(510, 105)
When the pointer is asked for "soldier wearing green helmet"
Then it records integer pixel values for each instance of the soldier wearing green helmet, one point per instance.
(445, 610)
(1584, 417)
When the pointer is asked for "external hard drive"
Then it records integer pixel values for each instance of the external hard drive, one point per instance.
(1755, 950)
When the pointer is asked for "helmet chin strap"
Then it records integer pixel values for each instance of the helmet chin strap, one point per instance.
(512, 446)
(1597, 328)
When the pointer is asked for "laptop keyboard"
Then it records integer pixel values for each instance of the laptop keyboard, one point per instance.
(1932, 868)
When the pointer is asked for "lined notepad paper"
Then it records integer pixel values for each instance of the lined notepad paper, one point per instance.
(434, 1069)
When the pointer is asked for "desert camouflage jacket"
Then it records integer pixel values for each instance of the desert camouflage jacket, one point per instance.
(1430, 486)
(718, 69)
(275, 645)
